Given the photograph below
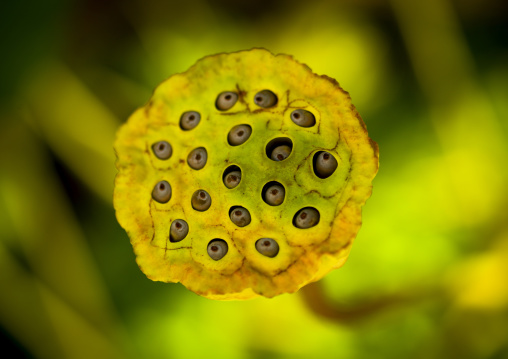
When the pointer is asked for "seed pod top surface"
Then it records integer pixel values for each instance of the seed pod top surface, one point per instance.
(304, 254)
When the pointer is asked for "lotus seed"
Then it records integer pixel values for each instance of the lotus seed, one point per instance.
(265, 99)
(232, 179)
(162, 192)
(274, 195)
(189, 120)
(226, 100)
(197, 158)
(239, 134)
(267, 247)
(201, 200)
(240, 216)
(303, 118)
(217, 249)
(280, 153)
(178, 230)
(325, 164)
(306, 218)
(162, 150)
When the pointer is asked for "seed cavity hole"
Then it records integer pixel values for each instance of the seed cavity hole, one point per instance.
(267, 247)
(226, 100)
(265, 99)
(189, 120)
(197, 158)
(232, 176)
(279, 149)
(306, 218)
(324, 164)
(178, 230)
(303, 118)
(201, 200)
(273, 193)
(162, 150)
(162, 192)
(239, 135)
(217, 249)
(239, 216)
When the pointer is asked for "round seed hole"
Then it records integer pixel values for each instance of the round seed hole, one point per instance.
(197, 158)
(239, 216)
(217, 249)
(178, 230)
(265, 99)
(226, 100)
(189, 120)
(232, 176)
(201, 200)
(279, 148)
(162, 192)
(267, 247)
(303, 118)
(306, 218)
(273, 193)
(324, 164)
(239, 134)
(162, 150)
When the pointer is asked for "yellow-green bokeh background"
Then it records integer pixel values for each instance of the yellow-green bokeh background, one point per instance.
(430, 79)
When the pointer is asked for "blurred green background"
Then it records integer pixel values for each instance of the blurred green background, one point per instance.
(428, 273)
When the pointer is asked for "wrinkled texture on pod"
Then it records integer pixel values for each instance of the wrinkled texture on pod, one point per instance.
(222, 89)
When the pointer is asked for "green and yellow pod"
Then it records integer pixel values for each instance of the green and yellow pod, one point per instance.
(243, 176)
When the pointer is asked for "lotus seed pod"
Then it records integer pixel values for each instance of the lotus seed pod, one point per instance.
(285, 246)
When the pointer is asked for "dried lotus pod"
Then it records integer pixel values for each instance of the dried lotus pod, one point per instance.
(303, 236)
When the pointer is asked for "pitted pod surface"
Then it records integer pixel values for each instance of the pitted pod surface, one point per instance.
(243, 176)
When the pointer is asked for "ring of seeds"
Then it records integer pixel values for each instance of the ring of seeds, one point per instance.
(311, 139)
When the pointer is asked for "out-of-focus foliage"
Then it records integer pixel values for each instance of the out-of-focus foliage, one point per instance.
(429, 78)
